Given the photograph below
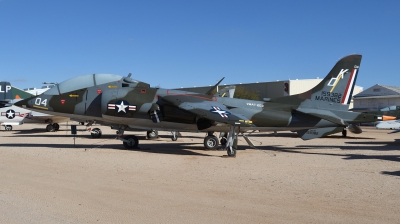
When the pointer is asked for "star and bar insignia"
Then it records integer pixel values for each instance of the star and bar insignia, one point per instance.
(121, 107)
(10, 114)
(222, 113)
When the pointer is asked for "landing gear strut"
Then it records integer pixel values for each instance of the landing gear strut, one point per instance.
(344, 133)
(231, 144)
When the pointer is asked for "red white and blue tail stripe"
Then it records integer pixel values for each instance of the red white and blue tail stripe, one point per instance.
(346, 98)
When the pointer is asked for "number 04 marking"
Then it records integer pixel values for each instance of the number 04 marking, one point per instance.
(41, 102)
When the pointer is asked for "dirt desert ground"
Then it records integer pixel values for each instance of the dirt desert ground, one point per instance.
(45, 178)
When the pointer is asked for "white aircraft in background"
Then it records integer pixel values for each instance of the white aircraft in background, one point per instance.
(11, 115)
(389, 125)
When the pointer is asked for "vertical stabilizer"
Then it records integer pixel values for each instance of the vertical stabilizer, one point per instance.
(5, 92)
(334, 91)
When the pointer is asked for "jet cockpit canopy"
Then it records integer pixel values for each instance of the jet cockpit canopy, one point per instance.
(81, 82)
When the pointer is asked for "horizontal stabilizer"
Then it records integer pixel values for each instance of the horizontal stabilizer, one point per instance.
(323, 114)
(318, 132)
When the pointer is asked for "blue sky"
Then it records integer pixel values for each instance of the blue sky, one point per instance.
(175, 44)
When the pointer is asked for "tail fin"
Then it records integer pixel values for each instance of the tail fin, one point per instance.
(5, 93)
(334, 91)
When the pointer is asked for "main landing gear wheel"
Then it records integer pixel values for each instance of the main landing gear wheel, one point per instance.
(153, 134)
(131, 142)
(50, 128)
(211, 142)
(56, 126)
(8, 127)
(95, 132)
(344, 133)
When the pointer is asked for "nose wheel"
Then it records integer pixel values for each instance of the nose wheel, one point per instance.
(95, 133)
(153, 134)
(130, 142)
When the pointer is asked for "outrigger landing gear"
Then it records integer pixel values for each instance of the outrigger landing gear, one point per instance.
(231, 144)
(129, 141)
(174, 136)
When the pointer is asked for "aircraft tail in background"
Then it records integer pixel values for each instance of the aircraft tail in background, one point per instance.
(5, 93)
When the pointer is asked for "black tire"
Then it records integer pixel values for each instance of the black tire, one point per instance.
(153, 134)
(133, 142)
(344, 133)
(50, 128)
(174, 136)
(211, 142)
(56, 126)
(8, 127)
(231, 154)
(95, 133)
(223, 141)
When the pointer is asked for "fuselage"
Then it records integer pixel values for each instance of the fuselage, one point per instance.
(116, 103)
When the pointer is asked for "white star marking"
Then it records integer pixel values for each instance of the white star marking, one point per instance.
(10, 113)
(121, 107)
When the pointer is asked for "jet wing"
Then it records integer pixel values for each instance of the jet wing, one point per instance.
(209, 109)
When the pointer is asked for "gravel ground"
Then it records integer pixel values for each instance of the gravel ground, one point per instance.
(45, 178)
